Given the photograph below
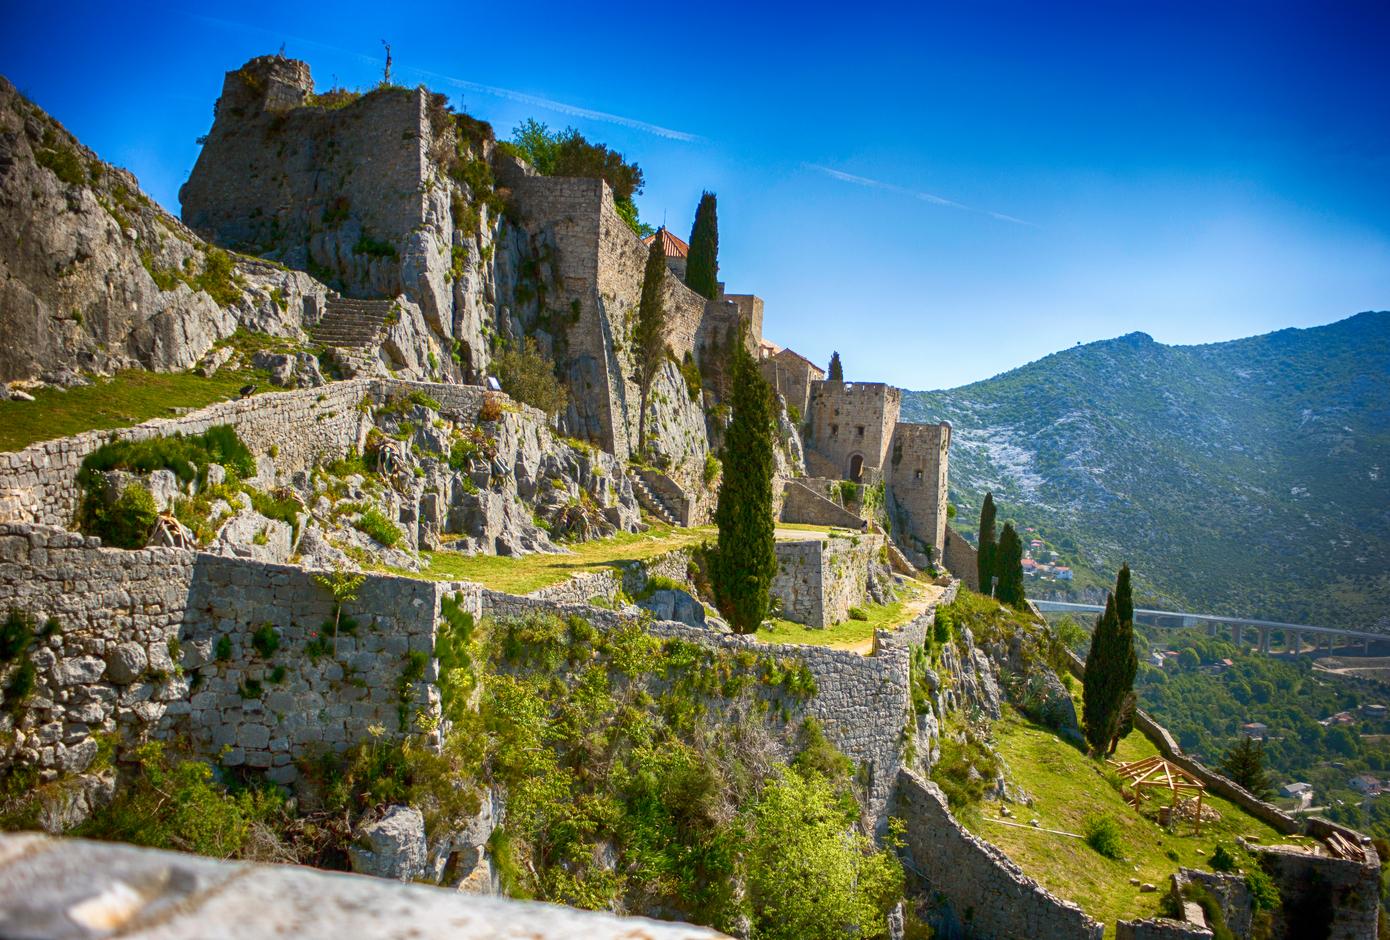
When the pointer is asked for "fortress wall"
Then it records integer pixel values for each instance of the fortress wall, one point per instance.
(861, 702)
(1322, 897)
(962, 559)
(990, 895)
(159, 642)
(791, 376)
(803, 504)
(916, 475)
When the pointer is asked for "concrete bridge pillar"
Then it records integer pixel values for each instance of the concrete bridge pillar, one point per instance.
(1211, 628)
(1235, 634)
(1264, 640)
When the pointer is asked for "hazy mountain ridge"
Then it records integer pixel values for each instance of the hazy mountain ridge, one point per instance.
(1247, 477)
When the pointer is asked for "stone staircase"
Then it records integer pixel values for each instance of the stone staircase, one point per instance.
(353, 326)
(652, 503)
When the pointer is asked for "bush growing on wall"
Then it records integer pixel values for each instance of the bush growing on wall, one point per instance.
(528, 376)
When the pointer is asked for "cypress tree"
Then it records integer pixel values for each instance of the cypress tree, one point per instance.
(1099, 702)
(1008, 567)
(1126, 659)
(650, 333)
(745, 560)
(984, 562)
(702, 264)
(837, 371)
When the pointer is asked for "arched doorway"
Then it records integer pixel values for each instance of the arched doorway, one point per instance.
(856, 468)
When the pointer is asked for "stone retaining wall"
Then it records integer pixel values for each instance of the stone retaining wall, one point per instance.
(802, 504)
(819, 580)
(159, 642)
(990, 895)
(1159, 928)
(961, 559)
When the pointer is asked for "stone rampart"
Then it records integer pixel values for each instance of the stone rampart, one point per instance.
(1321, 896)
(230, 653)
(1159, 928)
(300, 428)
(916, 477)
(990, 895)
(962, 559)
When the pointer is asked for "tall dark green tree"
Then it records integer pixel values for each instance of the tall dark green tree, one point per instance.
(837, 371)
(1245, 764)
(984, 563)
(745, 560)
(702, 263)
(1008, 568)
(1100, 702)
(649, 337)
(1109, 703)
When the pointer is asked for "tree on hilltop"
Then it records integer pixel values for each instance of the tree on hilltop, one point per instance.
(1245, 764)
(1008, 567)
(702, 263)
(570, 153)
(837, 371)
(745, 560)
(650, 334)
(984, 562)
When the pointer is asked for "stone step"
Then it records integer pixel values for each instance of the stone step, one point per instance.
(651, 502)
(352, 323)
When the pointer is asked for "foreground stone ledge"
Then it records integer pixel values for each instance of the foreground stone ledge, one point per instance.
(53, 889)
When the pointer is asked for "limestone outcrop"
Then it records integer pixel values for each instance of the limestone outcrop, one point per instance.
(95, 277)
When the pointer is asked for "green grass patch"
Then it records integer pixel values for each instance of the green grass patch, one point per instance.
(129, 398)
(1072, 795)
(532, 572)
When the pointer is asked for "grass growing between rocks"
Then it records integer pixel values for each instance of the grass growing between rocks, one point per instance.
(127, 399)
(1072, 796)
(913, 597)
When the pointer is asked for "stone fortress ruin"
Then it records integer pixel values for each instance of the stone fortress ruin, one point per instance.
(395, 238)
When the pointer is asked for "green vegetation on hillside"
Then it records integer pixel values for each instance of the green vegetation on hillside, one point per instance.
(569, 153)
(1072, 795)
(1248, 477)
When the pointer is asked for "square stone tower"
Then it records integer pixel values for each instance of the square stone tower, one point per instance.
(916, 478)
(850, 425)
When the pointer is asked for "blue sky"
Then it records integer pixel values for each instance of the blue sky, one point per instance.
(939, 191)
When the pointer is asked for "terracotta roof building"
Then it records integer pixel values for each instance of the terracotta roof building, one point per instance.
(676, 250)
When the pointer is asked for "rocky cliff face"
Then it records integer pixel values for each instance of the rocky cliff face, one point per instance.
(95, 277)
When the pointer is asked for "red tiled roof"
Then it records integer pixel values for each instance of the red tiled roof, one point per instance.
(673, 246)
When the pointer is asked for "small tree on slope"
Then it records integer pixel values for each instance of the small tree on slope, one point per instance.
(1108, 680)
(984, 563)
(1245, 764)
(702, 264)
(837, 371)
(745, 560)
(650, 334)
(1009, 568)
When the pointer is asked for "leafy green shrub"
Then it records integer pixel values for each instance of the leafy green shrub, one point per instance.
(858, 613)
(20, 686)
(15, 634)
(61, 159)
(378, 527)
(188, 457)
(1222, 859)
(286, 509)
(373, 248)
(712, 468)
(1103, 834)
(223, 649)
(179, 804)
(266, 640)
(126, 523)
(806, 877)
(528, 376)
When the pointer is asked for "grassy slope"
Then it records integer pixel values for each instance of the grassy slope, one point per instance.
(1068, 790)
(532, 572)
(126, 399)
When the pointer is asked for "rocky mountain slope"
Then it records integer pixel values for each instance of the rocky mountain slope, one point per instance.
(1244, 477)
(95, 277)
